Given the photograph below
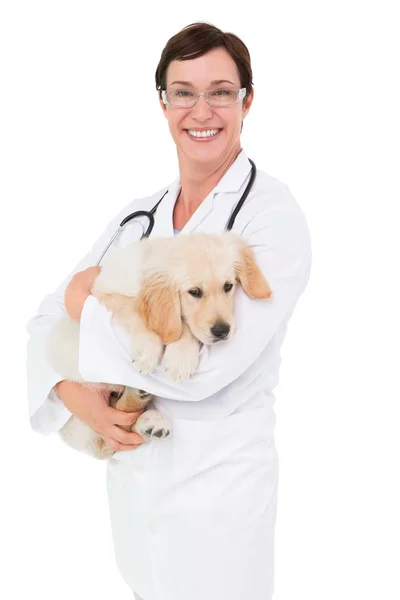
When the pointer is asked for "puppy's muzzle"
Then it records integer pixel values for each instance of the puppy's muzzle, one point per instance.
(220, 331)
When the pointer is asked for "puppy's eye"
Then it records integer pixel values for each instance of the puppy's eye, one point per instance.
(228, 287)
(196, 292)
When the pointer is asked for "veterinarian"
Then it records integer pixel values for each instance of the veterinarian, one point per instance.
(193, 515)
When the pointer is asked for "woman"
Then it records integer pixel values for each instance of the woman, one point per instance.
(193, 516)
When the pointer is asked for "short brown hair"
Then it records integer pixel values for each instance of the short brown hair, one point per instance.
(197, 39)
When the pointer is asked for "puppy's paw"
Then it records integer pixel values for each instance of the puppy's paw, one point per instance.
(100, 450)
(147, 350)
(152, 424)
(180, 360)
(105, 452)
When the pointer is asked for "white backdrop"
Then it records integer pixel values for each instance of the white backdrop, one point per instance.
(81, 135)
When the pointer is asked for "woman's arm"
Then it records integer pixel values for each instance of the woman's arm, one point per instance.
(281, 242)
(78, 290)
(46, 411)
(91, 407)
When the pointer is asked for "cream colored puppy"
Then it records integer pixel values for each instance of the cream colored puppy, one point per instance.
(171, 294)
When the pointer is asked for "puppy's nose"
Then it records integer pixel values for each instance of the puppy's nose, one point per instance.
(220, 330)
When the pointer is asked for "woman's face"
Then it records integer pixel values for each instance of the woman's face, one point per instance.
(201, 73)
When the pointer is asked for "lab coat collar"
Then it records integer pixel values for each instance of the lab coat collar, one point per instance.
(231, 181)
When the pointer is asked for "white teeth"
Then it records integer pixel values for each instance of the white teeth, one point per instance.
(208, 133)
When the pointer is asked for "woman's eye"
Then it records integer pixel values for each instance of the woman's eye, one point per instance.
(182, 93)
(196, 292)
(228, 287)
(222, 92)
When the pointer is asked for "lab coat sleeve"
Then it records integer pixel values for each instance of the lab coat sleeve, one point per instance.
(46, 411)
(281, 243)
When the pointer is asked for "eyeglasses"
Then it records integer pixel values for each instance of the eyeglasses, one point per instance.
(186, 98)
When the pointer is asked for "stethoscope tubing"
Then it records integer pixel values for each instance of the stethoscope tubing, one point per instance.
(150, 214)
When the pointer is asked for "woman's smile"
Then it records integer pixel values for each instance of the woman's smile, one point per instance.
(205, 135)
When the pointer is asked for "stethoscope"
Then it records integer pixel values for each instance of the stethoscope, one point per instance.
(150, 214)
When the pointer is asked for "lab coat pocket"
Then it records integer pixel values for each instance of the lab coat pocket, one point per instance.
(225, 463)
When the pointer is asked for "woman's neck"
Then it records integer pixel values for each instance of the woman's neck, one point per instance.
(197, 181)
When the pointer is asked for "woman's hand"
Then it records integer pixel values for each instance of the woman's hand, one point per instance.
(77, 291)
(91, 407)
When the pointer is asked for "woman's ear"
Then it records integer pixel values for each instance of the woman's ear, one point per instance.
(247, 104)
(249, 274)
(159, 305)
(163, 106)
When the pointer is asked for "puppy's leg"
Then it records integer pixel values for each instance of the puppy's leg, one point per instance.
(147, 346)
(62, 350)
(79, 436)
(152, 424)
(181, 358)
(130, 399)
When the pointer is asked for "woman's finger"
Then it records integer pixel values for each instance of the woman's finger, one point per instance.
(120, 417)
(118, 447)
(125, 437)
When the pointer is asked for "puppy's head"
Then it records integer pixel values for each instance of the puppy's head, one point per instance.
(214, 266)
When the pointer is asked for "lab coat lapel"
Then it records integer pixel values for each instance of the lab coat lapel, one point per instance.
(231, 182)
(234, 178)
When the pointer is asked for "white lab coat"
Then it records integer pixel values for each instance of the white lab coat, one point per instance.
(193, 515)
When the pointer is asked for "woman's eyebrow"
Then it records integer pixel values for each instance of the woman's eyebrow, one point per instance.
(215, 82)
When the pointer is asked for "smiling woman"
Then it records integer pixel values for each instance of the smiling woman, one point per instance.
(193, 515)
(205, 100)
(202, 100)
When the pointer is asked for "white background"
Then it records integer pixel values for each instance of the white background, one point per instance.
(82, 134)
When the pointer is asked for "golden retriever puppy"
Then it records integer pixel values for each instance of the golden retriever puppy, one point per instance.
(171, 294)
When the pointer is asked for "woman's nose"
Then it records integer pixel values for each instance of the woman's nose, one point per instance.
(201, 108)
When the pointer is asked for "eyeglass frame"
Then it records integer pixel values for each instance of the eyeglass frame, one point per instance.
(240, 94)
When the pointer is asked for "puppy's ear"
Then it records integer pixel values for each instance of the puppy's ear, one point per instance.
(159, 306)
(249, 274)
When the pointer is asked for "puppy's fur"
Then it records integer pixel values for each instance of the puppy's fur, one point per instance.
(171, 294)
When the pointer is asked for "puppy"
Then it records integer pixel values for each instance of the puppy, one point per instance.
(172, 295)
